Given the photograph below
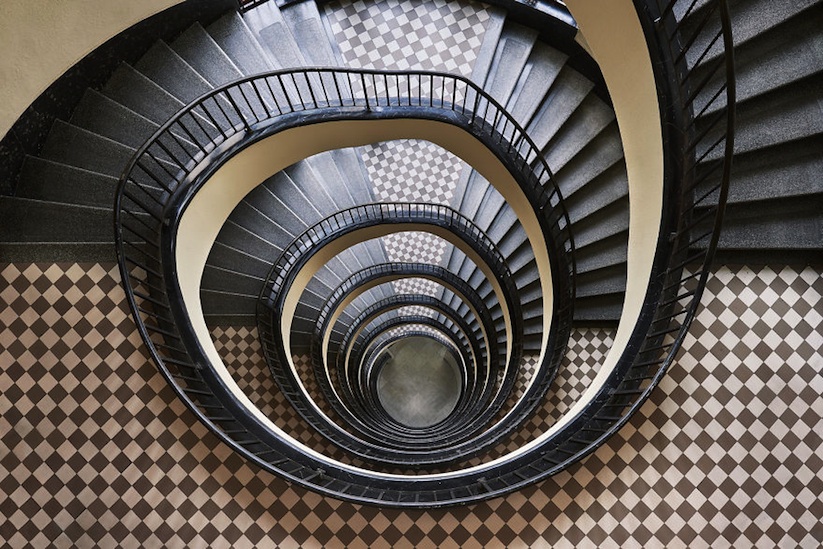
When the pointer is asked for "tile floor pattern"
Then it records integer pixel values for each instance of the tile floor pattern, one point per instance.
(391, 34)
(96, 450)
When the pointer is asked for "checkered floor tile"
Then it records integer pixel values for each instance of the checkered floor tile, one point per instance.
(96, 450)
(412, 171)
(396, 34)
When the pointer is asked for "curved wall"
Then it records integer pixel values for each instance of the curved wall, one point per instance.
(41, 40)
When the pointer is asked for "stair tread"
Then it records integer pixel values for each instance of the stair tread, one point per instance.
(197, 48)
(139, 93)
(81, 148)
(170, 71)
(234, 37)
(44, 179)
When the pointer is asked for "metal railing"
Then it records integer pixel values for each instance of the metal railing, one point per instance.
(158, 182)
(276, 288)
(487, 314)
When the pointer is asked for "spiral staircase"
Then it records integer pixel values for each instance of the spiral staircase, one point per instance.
(240, 158)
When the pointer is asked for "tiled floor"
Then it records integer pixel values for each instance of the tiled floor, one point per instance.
(97, 450)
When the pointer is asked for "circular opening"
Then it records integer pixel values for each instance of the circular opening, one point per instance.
(420, 383)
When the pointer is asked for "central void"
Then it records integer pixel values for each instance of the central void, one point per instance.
(419, 383)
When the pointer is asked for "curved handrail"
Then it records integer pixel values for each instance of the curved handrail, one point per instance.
(385, 271)
(287, 267)
(214, 124)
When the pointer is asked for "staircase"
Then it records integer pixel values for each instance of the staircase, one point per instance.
(776, 202)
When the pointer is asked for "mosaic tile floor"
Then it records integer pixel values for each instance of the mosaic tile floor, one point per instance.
(97, 451)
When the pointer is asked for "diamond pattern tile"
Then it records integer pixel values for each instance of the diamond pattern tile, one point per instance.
(96, 450)
(437, 36)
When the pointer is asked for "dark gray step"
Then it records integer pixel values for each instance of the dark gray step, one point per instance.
(272, 207)
(235, 321)
(240, 261)
(246, 238)
(33, 221)
(285, 192)
(587, 121)
(790, 224)
(101, 115)
(750, 18)
(505, 224)
(598, 310)
(104, 116)
(353, 172)
(778, 117)
(605, 223)
(610, 189)
(510, 56)
(199, 50)
(306, 25)
(81, 148)
(234, 37)
(470, 192)
(163, 66)
(311, 185)
(43, 179)
(485, 56)
(225, 279)
(567, 92)
(227, 303)
(262, 223)
(139, 93)
(486, 213)
(601, 154)
(325, 167)
(609, 280)
(787, 170)
(604, 253)
(777, 57)
(535, 79)
(512, 241)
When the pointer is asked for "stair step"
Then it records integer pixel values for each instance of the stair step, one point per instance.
(260, 243)
(602, 154)
(604, 192)
(104, 116)
(535, 79)
(610, 280)
(309, 32)
(81, 148)
(779, 117)
(228, 304)
(28, 220)
(43, 179)
(485, 56)
(567, 92)
(512, 52)
(611, 220)
(776, 58)
(234, 37)
(240, 261)
(226, 280)
(600, 310)
(162, 65)
(199, 50)
(587, 121)
(139, 93)
(787, 224)
(604, 253)
(787, 170)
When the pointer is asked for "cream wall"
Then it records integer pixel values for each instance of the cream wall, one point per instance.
(41, 39)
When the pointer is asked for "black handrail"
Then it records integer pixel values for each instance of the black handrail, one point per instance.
(286, 268)
(215, 126)
(496, 341)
